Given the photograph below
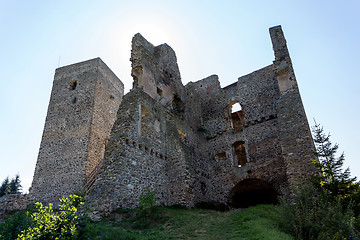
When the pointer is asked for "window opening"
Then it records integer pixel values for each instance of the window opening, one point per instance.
(236, 107)
(240, 153)
(159, 91)
(73, 84)
(236, 115)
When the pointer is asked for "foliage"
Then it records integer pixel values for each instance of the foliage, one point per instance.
(10, 187)
(146, 202)
(333, 179)
(336, 182)
(325, 208)
(312, 216)
(66, 223)
(4, 188)
(181, 223)
(15, 186)
(12, 226)
(106, 232)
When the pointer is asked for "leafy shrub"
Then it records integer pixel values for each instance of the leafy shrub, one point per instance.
(147, 213)
(66, 223)
(13, 225)
(312, 216)
(325, 209)
(146, 201)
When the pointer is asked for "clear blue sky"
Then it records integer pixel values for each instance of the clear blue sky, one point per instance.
(228, 38)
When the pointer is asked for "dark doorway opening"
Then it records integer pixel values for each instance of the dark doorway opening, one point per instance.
(251, 192)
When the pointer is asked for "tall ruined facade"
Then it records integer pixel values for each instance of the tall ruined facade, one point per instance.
(243, 144)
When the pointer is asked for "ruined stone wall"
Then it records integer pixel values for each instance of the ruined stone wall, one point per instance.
(257, 94)
(187, 143)
(75, 128)
(145, 150)
(294, 131)
(155, 71)
(11, 202)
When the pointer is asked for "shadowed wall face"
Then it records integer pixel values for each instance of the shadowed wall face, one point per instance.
(83, 105)
(188, 143)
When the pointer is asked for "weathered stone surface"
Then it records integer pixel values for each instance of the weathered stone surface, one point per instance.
(184, 142)
(82, 109)
(11, 202)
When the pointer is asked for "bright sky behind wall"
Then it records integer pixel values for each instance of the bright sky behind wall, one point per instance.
(227, 38)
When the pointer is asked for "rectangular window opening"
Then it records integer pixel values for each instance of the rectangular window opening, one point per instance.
(240, 153)
(237, 121)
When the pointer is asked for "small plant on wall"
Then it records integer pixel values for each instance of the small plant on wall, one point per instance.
(146, 202)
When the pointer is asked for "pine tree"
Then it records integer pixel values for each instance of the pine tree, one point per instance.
(15, 186)
(4, 188)
(333, 179)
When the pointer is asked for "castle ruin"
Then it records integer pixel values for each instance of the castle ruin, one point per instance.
(188, 143)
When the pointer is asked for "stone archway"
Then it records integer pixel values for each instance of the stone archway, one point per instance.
(251, 192)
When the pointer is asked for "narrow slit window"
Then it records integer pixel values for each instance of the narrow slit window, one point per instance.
(239, 153)
(73, 84)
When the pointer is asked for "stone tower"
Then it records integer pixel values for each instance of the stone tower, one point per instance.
(295, 139)
(82, 109)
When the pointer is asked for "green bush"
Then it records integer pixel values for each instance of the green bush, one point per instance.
(13, 225)
(65, 223)
(146, 202)
(329, 207)
(312, 216)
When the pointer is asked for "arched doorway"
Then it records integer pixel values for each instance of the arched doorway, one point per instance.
(251, 192)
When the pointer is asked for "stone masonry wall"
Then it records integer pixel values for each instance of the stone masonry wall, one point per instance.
(187, 143)
(155, 71)
(294, 131)
(140, 156)
(257, 94)
(83, 95)
(109, 91)
(11, 202)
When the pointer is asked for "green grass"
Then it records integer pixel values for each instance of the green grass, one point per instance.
(257, 222)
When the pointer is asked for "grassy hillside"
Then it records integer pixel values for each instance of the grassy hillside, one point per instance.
(178, 223)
